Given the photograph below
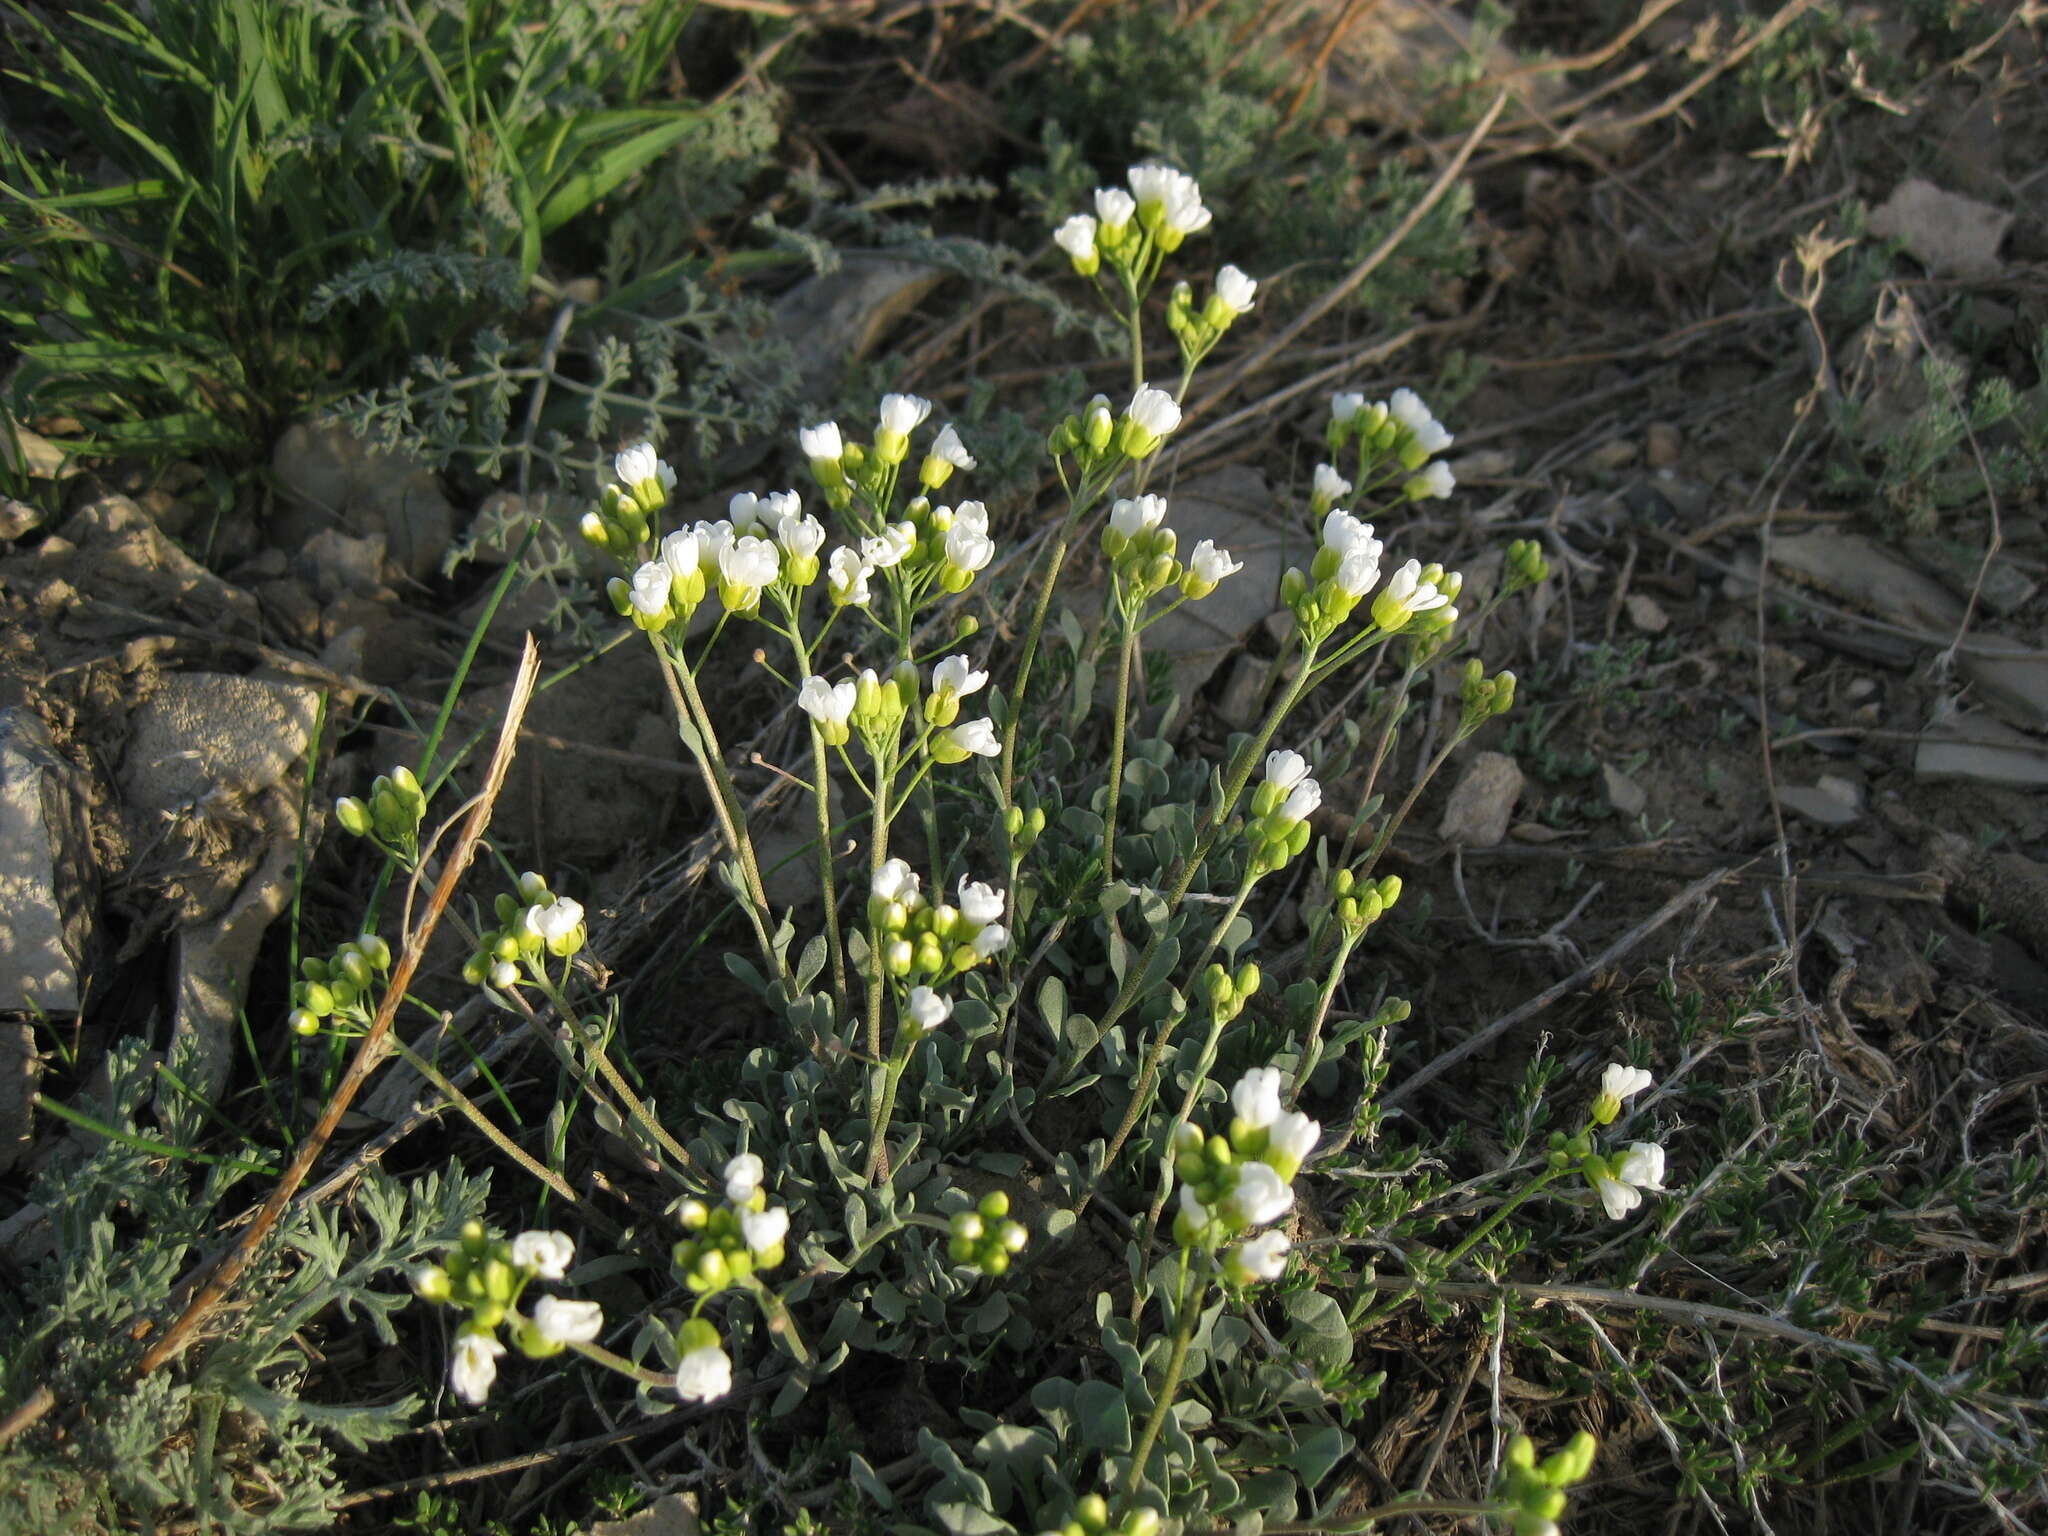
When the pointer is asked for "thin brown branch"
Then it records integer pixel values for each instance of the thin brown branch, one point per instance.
(221, 1281)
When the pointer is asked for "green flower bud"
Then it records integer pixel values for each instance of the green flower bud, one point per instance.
(353, 815)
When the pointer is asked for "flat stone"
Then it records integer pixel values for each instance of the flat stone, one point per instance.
(1951, 235)
(18, 518)
(328, 478)
(1623, 793)
(1817, 805)
(1992, 753)
(1483, 803)
(1646, 613)
(2000, 585)
(45, 871)
(209, 734)
(1862, 572)
(674, 1514)
(32, 454)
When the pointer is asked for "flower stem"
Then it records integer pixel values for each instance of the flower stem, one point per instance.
(1312, 1048)
(878, 1138)
(1185, 1317)
(1116, 748)
(1018, 690)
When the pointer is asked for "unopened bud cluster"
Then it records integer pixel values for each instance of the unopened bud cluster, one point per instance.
(933, 941)
(1091, 1518)
(392, 814)
(1526, 567)
(1534, 1492)
(531, 923)
(1358, 904)
(1198, 330)
(985, 1238)
(1228, 994)
(1232, 1182)
(1024, 828)
(1484, 697)
(342, 987)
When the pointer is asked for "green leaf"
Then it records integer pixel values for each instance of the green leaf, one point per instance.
(1317, 1332)
(1104, 1416)
(1317, 1452)
(867, 1482)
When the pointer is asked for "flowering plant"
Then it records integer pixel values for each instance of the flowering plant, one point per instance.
(880, 1181)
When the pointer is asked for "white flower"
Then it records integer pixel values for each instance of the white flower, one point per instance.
(1436, 481)
(749, 563)
(927, 1009)
(1132, 516)
(903, 413)
(968, 547)
(1342, 533)
(554, 922)
(1261, 1258)
(1154, 410)
(821, 442)
(1329, 485)
(976, 737)
(560, 1320)
(474, 1366)
(1359, 569)
(1191, 1206)
(1406, 595)
(971, 515)
(1210, 564)
(1293, 1136)
(1406, 407)
(1236, 290)
(1641, 1167)
(980, 904)
(990, 940)
(680, 554)
(1261, 1195)
(948, 447)
(1623, 1083)
(799, 534)
(763, 1230)
(704, 1374)
(743, 1176)
(637, 463)
(1346, 405)
(1285, 768)
(846, 576)
(711, 541)
(1077, 237)
(1114, 206)
(1177, 195)
(547, 1254)
(956, 675)
(895, 541)
(896, 881)
(1301, 801)
(650, 588)
(747, 512)
(826, 703)
(1256, 1098)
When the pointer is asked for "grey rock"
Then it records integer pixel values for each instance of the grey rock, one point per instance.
(1976, 749)
(327, 477)
(1817, 805)
(1623, 793)
(20, 1068)
(1483, 802)
(45, 871)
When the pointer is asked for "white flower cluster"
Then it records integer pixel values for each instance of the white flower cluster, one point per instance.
(1620, 1179)
(1281, 807)
(1142, 550)
(1400, 426)
(1347, 567)
(1163, 207)
(486, 1276)
(876, 708)
(532, 921)
(933, 942)
(728, 1245)
(1231, 1183)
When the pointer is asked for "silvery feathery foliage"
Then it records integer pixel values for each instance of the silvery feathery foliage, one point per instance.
(155, 1449)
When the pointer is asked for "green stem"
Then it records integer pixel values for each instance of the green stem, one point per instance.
(476, 1117)
(1019, 690)
(636, 1107)
(1148, 1077)
(1312, 1048)
(689, 706)
(1508, 1208)
(1240, 775)
(878, 1138)
(1185, 1316)
(822, 794)
(1116, 748)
